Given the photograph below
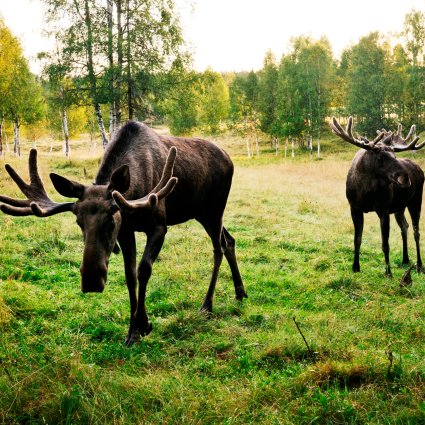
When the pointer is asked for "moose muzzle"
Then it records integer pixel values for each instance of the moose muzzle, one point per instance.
(94, 279)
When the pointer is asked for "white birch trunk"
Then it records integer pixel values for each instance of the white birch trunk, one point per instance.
(16, 139)
(65, 132)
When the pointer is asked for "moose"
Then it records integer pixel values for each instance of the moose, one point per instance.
(378, 181)
(145, 183)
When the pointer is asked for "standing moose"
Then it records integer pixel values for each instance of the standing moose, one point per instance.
(378, 181)
(135, 190)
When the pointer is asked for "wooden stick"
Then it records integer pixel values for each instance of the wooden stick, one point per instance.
(299, 330)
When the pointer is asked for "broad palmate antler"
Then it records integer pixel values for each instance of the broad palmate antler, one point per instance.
(37, 202)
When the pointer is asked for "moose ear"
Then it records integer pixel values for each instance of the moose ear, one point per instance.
(120, 179)
(67, 187)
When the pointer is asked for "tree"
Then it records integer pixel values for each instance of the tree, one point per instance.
(181, 106)
(267, 84)
(365, 96)
(21, 99)
(414, 35)
(10, 59)
(115, 56)
(80, 40)
(243, 100)
(214, 101)
(397, 81)
(25, 104)
(304, 88)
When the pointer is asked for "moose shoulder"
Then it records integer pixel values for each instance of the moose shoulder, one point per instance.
(378, 181)
(145, 183)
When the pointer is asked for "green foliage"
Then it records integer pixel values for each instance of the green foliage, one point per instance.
(181, 108)
(266, 93)
(366, 92)
(213, 101)
(22, 100)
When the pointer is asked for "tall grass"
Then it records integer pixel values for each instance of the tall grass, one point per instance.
(62, 357)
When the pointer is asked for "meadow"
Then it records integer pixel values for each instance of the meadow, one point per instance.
(62, 353)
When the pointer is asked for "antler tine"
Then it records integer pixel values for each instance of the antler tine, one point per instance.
(348, 136)
(148, 201)
(412, 131)
(37, 202)
(160, 191)
(412, 146)
(167, 172)
(406, 143)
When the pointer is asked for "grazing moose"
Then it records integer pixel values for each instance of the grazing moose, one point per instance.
(135, 190)
(378, 181)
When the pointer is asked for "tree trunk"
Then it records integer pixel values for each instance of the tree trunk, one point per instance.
(91, 73)
(112, 112)
(130, 105)
(120, 61)
(17, 138)
(1, 135)
(65, 131)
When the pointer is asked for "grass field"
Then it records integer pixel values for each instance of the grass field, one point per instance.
(62, 353)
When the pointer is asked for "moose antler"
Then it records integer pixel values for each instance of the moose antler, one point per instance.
(394, 140)
(37, 202)
(362, 142)
(160, 191)
(399, 144)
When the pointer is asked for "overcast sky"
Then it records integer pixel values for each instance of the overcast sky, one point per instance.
(234, 35)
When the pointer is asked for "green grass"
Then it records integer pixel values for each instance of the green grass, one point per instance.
(62, 353)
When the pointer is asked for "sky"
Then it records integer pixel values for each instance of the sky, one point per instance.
(234, 35)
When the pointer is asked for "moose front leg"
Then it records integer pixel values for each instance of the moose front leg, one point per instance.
(385, 234)
(140, 325)
(127, 243)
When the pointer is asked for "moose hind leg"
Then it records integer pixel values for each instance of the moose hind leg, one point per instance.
(214, 231)
(415, 214)
(402, 222)
(228, 244)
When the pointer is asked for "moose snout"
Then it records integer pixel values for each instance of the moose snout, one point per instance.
(93, 280)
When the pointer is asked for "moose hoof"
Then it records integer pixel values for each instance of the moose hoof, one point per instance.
(134, 335)
(240, 295)
(420, 268)
(206, 309)
(356, 268)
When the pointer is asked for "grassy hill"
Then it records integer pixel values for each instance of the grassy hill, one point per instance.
(62, 353)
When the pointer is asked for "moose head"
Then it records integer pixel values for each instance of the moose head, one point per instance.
(98, 214)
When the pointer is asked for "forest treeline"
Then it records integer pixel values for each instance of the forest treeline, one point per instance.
(116, 60)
